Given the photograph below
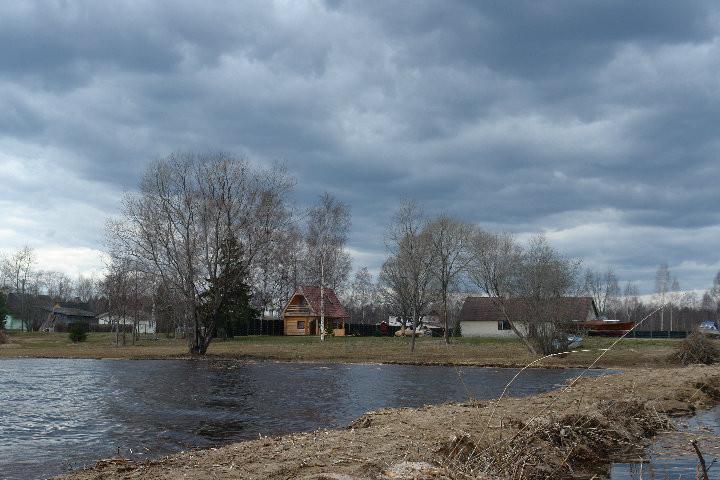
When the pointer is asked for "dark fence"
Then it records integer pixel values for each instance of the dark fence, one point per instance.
(657, 334)
(364, 330)
(257, 326)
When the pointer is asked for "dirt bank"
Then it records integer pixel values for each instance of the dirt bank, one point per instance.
(570, 431)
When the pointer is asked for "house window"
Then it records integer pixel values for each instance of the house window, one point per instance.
(301, 324)
(504, 325)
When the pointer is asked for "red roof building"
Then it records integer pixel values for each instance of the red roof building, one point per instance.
(301, 315)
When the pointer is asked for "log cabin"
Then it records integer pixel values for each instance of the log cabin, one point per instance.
(301, 315)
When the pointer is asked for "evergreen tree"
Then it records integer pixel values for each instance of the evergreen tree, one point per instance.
(226, 303)
(3, 311)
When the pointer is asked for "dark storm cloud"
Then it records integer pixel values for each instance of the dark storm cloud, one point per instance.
(593, 121)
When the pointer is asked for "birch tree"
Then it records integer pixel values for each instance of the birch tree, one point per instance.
(328, 263)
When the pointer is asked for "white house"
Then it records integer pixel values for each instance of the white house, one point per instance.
(144, 325)
(481, 317)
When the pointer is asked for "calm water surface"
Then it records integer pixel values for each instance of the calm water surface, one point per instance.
(61, 414)
(671, 457)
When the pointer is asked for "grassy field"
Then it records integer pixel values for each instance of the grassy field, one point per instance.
(463, 351)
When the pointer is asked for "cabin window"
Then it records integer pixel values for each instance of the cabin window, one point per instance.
(504, 325)
(301, 324)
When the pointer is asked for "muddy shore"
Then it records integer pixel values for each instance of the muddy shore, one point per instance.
(566, 433)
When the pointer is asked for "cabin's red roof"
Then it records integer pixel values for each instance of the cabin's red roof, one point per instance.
(485, 309)
(333, 307)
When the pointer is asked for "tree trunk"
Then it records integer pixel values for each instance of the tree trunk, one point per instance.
(445, 318)
(414, 330)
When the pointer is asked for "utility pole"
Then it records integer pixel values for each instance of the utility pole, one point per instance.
(322, 298)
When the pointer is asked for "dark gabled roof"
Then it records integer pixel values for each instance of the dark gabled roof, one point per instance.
(72, 312)
(333, 307)
(485, 309)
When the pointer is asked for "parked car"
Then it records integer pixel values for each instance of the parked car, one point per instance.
(709, 328)
(573, 341)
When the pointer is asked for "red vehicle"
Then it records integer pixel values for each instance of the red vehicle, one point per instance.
(606, 328)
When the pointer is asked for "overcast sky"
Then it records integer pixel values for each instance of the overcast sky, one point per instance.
(595, 122)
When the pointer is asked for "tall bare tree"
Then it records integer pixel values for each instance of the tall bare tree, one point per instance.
(630, 302)
(662, 287)
(528, 285)
(409, 244)
(362, 291)
(20, 267)
(604, 289)
(395, 289)
(449, 239)
(328, 224)
(188, 208)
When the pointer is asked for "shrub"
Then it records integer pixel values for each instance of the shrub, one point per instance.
(78, 332)
(697, 348)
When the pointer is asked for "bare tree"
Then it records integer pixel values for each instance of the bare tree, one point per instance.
(496, 258)
(362, 291)
(605, 290)
(189, 207)
(409, 244)
(328, 224)
(662, 286)
(630, 302)
(529, 286)
(715, 291)
(395, 289)
(84, 288)
(267, 238)
(674, 297)
(20, 268)
(449, 239)
(59, 285)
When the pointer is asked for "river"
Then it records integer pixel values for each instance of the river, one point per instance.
(57, 415)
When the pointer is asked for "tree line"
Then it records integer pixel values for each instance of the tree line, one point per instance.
(25, 287)
(218, 242)
(209, 241)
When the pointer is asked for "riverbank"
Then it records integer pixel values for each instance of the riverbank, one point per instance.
(507, 352)
(574, 430)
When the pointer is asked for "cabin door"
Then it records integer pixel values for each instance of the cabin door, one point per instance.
(312, 328)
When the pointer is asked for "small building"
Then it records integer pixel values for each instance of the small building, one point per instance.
(301, 315)
(481, 316)
(143, 324)
(59, 317)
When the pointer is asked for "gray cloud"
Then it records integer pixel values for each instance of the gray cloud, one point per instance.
(594, 122)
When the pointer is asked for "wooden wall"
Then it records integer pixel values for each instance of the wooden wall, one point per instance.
(291, 325)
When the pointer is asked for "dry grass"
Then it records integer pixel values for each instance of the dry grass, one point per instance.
(463, 351)
(697, 348)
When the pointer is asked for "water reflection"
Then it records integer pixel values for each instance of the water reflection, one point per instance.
(57, 415)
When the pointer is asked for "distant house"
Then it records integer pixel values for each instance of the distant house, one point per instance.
(301, 315)
(431, 321)
(143, 325)
(62, 315)
(481, 317)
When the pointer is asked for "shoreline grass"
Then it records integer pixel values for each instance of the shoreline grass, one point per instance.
(494, 352)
